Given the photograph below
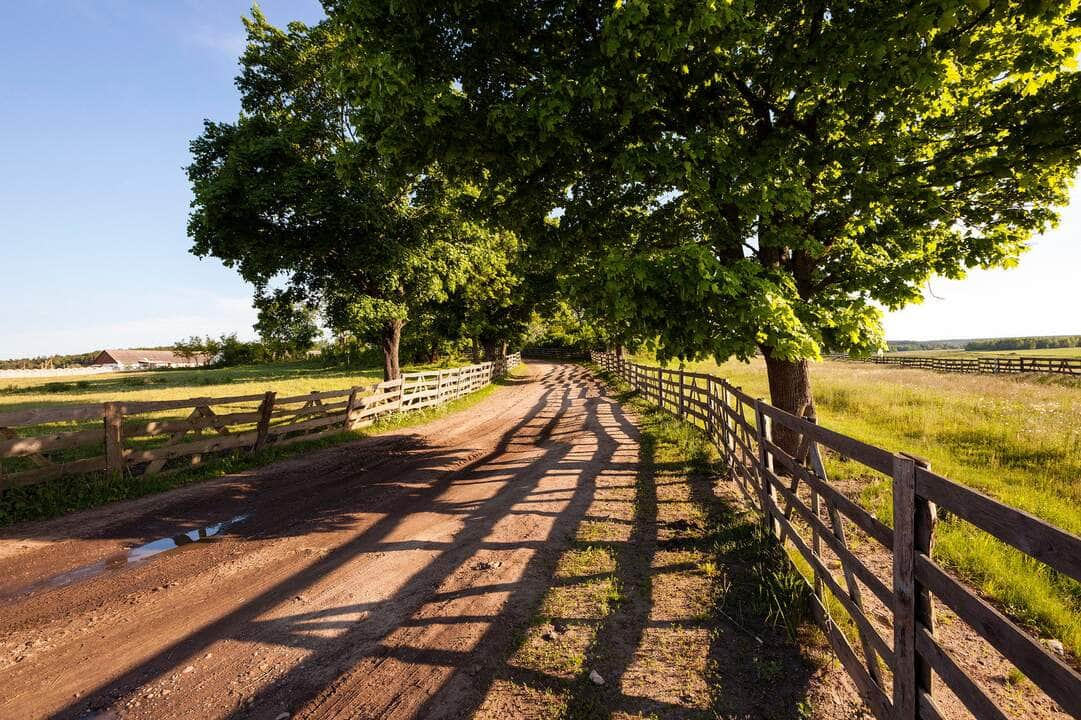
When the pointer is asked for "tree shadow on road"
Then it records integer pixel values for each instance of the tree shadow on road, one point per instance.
(574, 481)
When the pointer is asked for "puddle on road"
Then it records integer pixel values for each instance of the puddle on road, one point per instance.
(129, 557)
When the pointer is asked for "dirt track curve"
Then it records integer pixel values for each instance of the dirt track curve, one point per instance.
(380, 578)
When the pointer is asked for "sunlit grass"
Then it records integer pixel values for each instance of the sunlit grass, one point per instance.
(294, 378)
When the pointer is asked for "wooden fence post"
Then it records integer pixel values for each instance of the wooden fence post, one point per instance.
(351, 407)
(924, 521)
(905, 702)
(682, 412)
(266, 409)
(114, 438)
(764, 428)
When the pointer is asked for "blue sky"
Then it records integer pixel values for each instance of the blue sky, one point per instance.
(100, 100)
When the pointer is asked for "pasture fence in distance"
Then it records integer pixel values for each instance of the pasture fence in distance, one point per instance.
(897, 659)
(991, 365)
(145, 437)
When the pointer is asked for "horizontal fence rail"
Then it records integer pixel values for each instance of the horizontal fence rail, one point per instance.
(991, 365)
(134, 438)
(895, 658)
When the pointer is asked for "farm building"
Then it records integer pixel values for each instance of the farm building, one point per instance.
(134, 359)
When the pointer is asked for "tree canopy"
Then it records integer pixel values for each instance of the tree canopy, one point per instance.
(738, 177)
(710, 178)
(290, 193)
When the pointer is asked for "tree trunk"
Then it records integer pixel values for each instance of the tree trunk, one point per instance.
(392, 337)
(789, 390)
(476, 351)
(503, 349)
(619, 351)
(489, 349)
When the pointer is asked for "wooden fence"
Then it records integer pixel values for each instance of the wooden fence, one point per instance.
(146, 437)
(1015, 364)
(894, 669)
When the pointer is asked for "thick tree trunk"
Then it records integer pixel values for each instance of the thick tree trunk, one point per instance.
(503, 349)
(476, 351)
(789, 390)
(392, 337)
(619, 351)
(489, 349)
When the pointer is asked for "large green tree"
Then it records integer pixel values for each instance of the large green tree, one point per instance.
(739, 176)
(290, 193)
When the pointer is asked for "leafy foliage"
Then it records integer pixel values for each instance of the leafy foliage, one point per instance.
(291, 193)
(285, 326)
(738, 177)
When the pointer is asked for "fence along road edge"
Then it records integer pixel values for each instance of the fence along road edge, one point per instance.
(245, 423)
(800, 505)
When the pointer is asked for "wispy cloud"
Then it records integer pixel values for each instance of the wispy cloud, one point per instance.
(227, 42)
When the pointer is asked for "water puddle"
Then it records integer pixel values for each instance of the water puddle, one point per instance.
(129, 557)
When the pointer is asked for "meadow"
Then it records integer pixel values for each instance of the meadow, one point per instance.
(291, 378)
(1014, 437)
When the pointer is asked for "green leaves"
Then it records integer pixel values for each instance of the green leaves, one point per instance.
(295, 193)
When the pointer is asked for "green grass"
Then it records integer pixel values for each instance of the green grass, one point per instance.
(292, 378)
(68, 494)
(1015, 438)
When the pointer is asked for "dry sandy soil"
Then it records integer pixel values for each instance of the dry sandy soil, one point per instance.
(389, 577)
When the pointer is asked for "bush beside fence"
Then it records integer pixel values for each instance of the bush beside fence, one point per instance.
(132, 437)
(894, 672)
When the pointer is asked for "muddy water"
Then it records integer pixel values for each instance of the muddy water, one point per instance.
(127, 558)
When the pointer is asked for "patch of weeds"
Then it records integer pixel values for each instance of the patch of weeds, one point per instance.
(586, 561)
(781, 595)
(769, 670)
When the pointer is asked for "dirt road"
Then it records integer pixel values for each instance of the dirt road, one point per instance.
(381, 578)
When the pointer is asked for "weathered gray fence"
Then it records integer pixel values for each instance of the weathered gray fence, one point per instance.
(127, 439)
(804, 509)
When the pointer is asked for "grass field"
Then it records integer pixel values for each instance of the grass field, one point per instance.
(1014, 437)
(284, 378)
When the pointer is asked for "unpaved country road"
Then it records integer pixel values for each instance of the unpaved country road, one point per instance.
(382, 578)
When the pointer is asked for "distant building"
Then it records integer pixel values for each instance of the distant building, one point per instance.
(148, 359)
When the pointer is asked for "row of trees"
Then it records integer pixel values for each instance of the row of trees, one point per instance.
(1025, 343)
(48, 362)
(705, 178)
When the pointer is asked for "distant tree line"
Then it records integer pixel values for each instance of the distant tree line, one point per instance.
(1025, 343)
(48, 362)
(915, 345)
